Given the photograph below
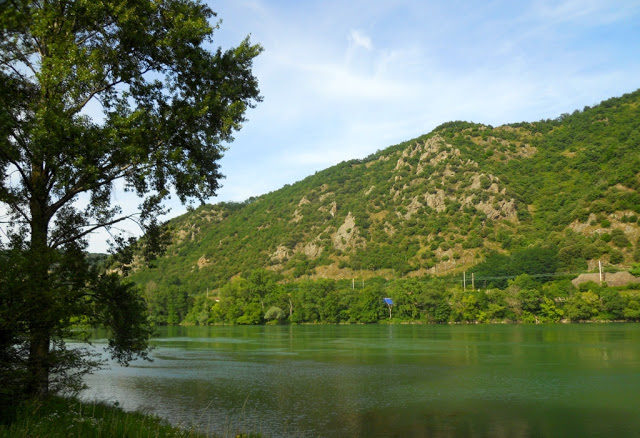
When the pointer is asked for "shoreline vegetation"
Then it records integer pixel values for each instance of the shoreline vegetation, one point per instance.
(393, 322)
(62, 417)
(259, 298)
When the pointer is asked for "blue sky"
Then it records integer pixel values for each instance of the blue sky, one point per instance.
(342, 79)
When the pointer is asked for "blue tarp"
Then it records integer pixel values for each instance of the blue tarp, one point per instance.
(388, 301)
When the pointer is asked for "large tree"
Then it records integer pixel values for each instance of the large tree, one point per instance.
(95, 95)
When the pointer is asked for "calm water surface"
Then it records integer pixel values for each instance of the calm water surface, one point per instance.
(389, 381)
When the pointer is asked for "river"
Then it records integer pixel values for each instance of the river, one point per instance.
(388, 380)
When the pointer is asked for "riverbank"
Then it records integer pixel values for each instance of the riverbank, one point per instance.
(61, 417)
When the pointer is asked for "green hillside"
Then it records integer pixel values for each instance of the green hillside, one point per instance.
(548, 197)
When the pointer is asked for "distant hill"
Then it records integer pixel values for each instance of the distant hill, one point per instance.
(544, 198)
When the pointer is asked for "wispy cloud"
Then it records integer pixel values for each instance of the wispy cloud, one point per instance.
(339, 82)
(359, 39)
(584, 12)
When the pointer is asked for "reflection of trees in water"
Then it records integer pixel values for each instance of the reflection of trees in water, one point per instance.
(424, 381)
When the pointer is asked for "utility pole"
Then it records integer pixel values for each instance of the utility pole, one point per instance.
(473, 282)
(600, 269)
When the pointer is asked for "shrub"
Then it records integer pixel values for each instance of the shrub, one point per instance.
(274, 314)
(616, 257)
(632, 310)
(619, 239)
(583, 306)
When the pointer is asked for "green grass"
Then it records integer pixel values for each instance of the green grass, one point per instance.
(69, 417)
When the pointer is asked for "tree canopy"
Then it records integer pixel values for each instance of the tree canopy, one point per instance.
(94, 94)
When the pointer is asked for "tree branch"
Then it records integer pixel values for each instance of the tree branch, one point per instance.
(23, 175)
(77, 108)
(8, 63)
(91, 229)
(7, 199)
(80, 187)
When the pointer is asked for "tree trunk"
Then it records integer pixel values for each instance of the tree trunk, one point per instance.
(41, 318)
(39, 362)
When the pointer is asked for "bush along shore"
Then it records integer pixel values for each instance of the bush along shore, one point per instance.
(63, 417)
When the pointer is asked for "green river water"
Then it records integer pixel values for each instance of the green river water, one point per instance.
(389, 380)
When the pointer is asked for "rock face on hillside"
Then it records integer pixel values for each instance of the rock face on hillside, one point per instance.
(347, 235)
(438, 204)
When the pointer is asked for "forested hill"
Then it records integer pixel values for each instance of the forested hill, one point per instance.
(544, 198)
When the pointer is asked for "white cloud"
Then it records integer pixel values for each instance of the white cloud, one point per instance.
(359, 39)
(339, 82)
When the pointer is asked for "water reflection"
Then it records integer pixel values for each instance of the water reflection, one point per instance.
(420, 381)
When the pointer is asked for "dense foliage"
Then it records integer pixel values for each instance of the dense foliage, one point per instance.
(261, 299)
(95, 95)
(547, 198)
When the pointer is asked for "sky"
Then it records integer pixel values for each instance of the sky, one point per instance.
(342, 79)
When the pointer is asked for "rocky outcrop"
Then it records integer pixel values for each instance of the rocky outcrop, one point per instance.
(611, 279)
(346, 235)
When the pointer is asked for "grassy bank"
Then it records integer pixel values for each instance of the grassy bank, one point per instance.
(70, 417)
